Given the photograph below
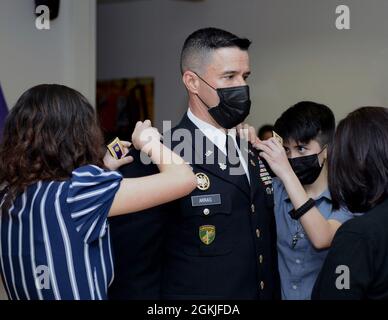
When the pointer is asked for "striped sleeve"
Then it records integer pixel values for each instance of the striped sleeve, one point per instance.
(90, 197)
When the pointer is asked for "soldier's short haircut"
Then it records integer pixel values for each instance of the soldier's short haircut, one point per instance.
(198, 46)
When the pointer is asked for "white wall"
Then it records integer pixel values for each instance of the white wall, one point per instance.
(64, 54)
(297, 53)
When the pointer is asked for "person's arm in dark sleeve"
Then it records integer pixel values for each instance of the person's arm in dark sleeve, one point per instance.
(137, 241)
(347, 270)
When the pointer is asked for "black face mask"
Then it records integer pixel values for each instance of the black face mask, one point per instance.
(307, 168)
(233, 108)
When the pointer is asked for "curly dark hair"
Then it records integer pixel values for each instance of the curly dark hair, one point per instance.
(51, 131)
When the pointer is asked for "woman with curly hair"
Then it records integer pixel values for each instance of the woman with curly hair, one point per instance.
(57, 194)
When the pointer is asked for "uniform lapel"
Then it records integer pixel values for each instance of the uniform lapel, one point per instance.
(206, 156)
(259, 176)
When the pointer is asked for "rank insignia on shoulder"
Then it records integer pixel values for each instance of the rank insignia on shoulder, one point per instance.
(116, 149)
(203, 181)
(207, 234)
(277, 137)
(269, 190)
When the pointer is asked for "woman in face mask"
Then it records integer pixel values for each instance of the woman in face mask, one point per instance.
(306, 221)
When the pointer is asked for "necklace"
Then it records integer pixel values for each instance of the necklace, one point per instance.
(297, 235)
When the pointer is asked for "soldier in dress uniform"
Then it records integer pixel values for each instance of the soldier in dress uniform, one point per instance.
(221, 239)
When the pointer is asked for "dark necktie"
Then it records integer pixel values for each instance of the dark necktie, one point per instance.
(232, 155)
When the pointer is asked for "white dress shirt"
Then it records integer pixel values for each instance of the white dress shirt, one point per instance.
(218, 137)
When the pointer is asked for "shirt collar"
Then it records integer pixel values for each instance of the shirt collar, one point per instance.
(215, 135)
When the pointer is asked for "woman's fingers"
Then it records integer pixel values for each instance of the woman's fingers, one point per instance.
(126, 144)
(140, 134)
(147, 123)
(263, 147)
(123, 161)
(267, 144)
(265, 156)
(113, 164)
(274, 144)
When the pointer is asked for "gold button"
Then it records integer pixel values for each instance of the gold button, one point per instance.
(253, 208)
(206, 211)
(258, 233)
(261, 259)
(262, 285)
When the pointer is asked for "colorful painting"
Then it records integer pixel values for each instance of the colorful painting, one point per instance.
(121, 103)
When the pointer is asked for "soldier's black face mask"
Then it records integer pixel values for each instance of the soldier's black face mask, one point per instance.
(234, 105)
(307, 168)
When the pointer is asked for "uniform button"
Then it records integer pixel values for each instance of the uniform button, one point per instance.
(262, 285)
(261, 259)
(253, 208)
(206, 211)
(302, 235)
(294, 287)
(258, 233)
(297, 261)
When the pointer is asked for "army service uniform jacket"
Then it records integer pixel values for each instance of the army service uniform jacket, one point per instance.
(221, 238)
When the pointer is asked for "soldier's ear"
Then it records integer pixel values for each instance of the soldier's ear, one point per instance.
(191, 81)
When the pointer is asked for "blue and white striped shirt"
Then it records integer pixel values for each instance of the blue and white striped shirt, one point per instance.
(54, 239)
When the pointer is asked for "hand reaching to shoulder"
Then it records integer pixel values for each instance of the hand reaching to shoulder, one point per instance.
(145, 137)
(271, 150)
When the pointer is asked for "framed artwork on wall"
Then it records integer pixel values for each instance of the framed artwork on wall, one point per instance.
(123, 102)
